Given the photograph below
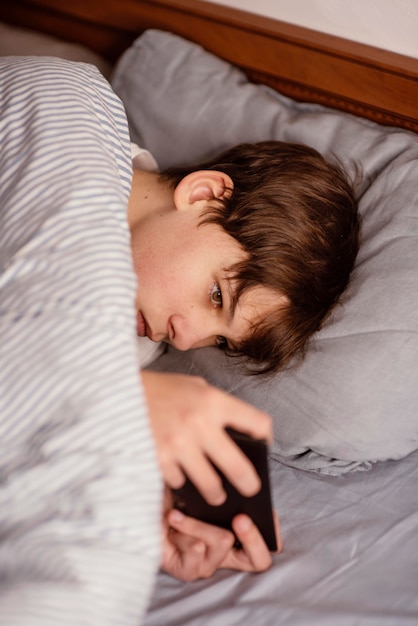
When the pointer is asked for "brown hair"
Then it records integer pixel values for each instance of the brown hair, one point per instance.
(296, 216)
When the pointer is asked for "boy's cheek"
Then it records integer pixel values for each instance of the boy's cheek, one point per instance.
(167, 500)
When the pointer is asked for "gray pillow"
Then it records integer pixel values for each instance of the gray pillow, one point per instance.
(354, 400)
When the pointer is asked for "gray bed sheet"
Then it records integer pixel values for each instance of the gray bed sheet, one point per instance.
(350, 558)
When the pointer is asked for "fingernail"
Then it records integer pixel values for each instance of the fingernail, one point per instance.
(219, 500)
(244, 523)
(176, 517)
(255, 489)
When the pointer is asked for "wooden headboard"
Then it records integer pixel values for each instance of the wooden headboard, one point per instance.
(301, 63)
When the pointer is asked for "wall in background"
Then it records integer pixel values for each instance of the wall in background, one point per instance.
(388, 24)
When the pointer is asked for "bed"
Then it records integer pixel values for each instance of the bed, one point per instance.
(194, 78)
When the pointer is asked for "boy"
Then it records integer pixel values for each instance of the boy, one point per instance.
(249, 251)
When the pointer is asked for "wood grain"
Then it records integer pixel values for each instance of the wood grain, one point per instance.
(301, 63)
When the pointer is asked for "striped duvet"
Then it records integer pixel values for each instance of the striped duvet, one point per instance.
(79, 485)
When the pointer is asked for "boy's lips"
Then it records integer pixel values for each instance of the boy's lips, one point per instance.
(141, 325)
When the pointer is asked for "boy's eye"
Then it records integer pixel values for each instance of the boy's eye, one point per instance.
(221, 342)
(216, 295)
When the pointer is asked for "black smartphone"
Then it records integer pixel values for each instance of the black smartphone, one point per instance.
(258, 507)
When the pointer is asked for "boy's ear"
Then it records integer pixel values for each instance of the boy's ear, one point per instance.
(195, 189)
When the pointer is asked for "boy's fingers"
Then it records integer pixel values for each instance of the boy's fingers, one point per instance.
(227, 456)
(236, 466)
(204, 477)
(246, 418)
(185, 557)
(202, 547)
(173, 474)
(187, 545)
(205, 548)
(215, 538)
(254, 555)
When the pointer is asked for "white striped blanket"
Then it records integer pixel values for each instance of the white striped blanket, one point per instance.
(79, 484)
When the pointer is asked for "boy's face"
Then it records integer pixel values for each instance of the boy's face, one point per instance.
(184, 296)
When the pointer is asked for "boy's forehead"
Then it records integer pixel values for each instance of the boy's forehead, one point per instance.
(253, 307)
(257, 301)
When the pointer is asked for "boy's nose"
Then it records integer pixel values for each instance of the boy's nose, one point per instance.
(185, 333)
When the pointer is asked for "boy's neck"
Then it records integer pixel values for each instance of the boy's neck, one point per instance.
(148, 197)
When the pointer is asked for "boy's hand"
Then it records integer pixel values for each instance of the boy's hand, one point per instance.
(188, 419)
(193, 549)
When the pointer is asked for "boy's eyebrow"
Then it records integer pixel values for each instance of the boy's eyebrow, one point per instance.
(232, 301)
